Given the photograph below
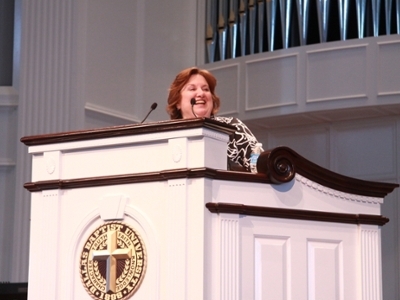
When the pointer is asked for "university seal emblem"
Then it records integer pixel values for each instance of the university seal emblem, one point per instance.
(112, 262)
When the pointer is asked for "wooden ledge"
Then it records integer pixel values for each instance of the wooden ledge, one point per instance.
(125, 130)
(145, 177)
(275, 166)
(282, 163)
(296, 214)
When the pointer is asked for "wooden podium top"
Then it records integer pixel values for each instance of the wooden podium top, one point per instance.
(125, 130)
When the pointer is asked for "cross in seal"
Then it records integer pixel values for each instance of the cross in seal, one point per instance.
(111, 256)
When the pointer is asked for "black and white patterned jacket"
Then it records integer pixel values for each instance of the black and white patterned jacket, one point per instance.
(241, 144)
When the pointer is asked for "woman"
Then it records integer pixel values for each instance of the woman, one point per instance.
(192, 94)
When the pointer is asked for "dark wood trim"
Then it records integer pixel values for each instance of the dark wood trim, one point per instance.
(378, 189)
(278, 165)
(125, 130)
(282, 163)
(296, 214)
(145, 177)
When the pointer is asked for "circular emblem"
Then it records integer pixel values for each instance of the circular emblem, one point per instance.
(112, 262)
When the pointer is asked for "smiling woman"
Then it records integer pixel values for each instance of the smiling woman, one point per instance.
(192, 95)
(189, 84)
(196, 98)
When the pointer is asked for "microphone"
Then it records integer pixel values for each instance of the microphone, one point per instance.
(193, 102)
(153, 107)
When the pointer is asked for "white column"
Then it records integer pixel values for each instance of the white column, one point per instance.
(176, 238)
(371, 268)
(229, 228)
(47, 86)
(45, 252)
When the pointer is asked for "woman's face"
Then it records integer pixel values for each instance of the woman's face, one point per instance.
(197, 88)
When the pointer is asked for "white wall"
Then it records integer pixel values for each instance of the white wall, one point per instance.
(8, 125)
(91, 63)
(133, 51)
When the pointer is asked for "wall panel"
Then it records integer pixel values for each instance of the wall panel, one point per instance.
(312, 142)
(271, 82)
(112, 45)
(330, 71)
(388, 81)
(365, 149)
(325, 269)
(228, 87)
(271, 264)
(289, 264)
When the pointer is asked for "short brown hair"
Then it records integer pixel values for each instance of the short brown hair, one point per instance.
(174, 96)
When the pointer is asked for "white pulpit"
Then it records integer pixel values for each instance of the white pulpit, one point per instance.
(149, 211)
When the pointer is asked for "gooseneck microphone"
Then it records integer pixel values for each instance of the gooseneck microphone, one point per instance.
(153, 107)
(193, 103)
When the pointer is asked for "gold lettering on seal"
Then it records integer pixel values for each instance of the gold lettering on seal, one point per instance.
(113, 262)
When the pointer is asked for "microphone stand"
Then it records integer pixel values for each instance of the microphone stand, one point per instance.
(153, 107)
(193, 102)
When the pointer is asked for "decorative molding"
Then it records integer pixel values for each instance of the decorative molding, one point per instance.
(337, 98)
(173, 183)
(281, 164)
(8, 105)
(215, 135)
(51, 166)
(295, 214)
(176, 154)
(90, 107)
(52, 194)
(394, 93)
(337, 194)
(8, 96)
(178, 149)
(271, 106)
(384, 43)
(6, 164)
(145, 177)
(343, 46)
